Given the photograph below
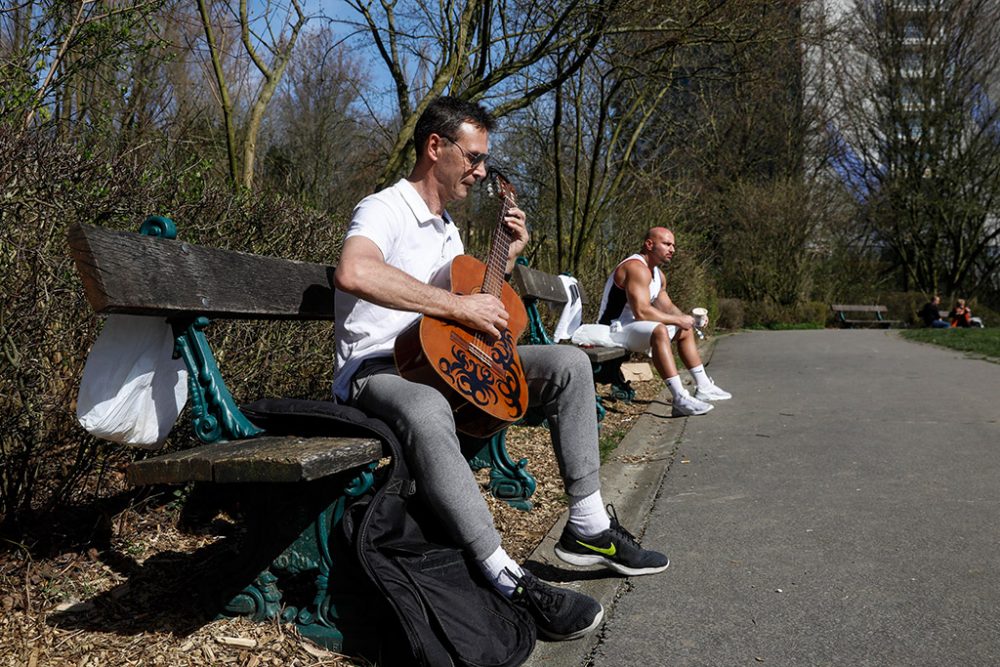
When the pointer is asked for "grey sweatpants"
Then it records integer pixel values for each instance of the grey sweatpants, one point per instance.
(559, 379)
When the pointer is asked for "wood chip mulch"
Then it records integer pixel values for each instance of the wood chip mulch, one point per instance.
(81, 608)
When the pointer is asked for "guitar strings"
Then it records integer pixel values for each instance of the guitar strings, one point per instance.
(497, 261)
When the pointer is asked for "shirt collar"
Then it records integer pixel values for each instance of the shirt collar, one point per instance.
(419, 207)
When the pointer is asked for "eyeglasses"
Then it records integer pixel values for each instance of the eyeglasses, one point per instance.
(475, 159)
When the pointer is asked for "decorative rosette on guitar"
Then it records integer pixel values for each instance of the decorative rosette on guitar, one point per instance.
(480, 375)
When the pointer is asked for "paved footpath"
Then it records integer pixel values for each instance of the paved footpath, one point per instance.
(842, 509)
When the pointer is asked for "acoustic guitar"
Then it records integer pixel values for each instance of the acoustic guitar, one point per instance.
(480, 376)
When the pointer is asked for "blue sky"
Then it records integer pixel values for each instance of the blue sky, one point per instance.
(331, 8)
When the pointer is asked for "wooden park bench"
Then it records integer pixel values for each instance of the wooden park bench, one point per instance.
(292, 490)
(854, 315)
(536, 287)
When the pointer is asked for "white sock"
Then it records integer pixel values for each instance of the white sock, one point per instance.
(501, 569)
(700, 376)
(675, 386)
(588, 516)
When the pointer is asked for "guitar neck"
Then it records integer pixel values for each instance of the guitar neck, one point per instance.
(496, 262)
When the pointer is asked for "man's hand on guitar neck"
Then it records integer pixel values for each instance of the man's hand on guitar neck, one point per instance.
(517, 223)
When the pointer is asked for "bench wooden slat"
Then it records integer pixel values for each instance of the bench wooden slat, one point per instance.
(871, 321)
(888, 324)
(183, 278)
(264, 459)
(602, 354)
(533, 284)
(845, 308)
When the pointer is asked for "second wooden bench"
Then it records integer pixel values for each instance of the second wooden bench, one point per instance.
(857, 315)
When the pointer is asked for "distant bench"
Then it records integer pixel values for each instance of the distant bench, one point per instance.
(292, 485)
(854, 315)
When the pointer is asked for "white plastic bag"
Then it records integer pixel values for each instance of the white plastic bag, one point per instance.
(594, 334)
(132, 390)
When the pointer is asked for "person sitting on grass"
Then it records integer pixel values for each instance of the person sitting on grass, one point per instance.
(931, 314)
(961, 315)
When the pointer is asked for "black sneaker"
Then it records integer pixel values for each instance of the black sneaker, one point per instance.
(615, 548)
(559, 613)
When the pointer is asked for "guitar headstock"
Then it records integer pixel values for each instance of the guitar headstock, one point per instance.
(498, 186)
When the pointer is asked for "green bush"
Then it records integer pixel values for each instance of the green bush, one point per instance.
(764, 244)
(771, 315)
(46, 326)
(903, 306)
(766, 315)
(815, 313)
(990, 317)
(730, 314)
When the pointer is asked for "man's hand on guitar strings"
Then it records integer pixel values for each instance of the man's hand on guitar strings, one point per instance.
(482, 312)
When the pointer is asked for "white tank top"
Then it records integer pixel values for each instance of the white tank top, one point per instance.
(614, 301)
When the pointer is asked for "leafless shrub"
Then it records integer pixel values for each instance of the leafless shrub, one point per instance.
(46, 327)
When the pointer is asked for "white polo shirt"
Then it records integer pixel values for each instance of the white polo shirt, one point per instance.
(411, 239)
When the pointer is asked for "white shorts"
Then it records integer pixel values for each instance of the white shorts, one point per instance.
(635, 336)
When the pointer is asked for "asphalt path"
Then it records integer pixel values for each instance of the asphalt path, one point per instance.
(842, 509)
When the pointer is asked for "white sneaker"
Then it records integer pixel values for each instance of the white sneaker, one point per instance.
(712, 393)
(686, 405)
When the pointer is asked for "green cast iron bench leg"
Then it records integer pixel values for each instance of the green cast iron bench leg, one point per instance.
(312, 508)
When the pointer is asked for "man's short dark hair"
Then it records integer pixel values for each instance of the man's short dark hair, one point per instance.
(445, 115)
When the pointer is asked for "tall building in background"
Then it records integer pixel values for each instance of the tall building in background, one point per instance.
(912, 130)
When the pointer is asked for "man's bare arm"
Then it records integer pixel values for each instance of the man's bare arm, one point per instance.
(363, 272)
(662, 309)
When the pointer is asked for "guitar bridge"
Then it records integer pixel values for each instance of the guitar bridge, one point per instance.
(477, 352)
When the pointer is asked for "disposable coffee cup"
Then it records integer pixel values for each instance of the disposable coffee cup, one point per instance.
(700, 317)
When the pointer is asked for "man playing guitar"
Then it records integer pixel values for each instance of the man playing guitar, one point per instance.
(393, 269)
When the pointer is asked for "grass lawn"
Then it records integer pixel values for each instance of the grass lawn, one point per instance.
(984, 342)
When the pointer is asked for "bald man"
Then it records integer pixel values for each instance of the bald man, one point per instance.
(635, 297)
